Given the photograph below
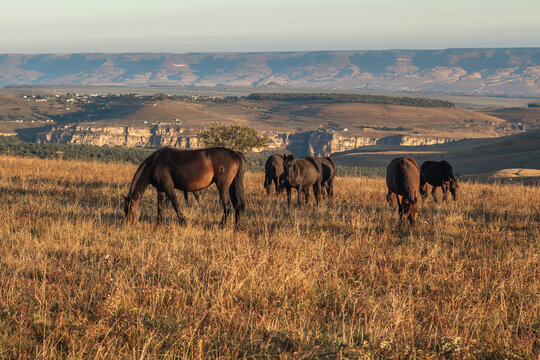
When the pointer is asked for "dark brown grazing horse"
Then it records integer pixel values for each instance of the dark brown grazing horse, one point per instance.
(190, 171)
(328, 173)
(438, 173)
(273, 169)
(301, 174)
(403, 180)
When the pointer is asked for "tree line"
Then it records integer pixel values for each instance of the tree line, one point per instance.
(353, 98)
(10, 145)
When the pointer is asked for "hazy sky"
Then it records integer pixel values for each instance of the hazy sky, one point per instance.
(37, 26)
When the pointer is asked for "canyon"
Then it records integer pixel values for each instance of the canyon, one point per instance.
(321, 142)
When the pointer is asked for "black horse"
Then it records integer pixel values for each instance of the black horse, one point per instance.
(273, 171)
(189, 171)
(328, 173)
(438, 173)
(402, 179)
(301, 174)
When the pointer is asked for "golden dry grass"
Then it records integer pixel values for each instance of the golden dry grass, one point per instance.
(340, 280)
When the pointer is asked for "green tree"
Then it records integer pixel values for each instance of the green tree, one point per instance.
(236, 137)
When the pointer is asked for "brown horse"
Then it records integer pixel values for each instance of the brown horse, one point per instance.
(190, 171)
(438, 173)
(328, 173)
(273, 169)
(403, 179)
(300, 174)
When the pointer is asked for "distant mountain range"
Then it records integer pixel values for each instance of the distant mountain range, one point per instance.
(512, 71)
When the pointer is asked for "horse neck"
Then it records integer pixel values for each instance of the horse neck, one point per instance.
(140, 182)
(408, 185)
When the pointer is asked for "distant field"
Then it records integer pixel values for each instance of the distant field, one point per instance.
(523, 176)
(341, 280)
(463, 101)
(366, 120)
(360, 119)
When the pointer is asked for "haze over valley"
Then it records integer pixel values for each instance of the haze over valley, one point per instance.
(501, 71)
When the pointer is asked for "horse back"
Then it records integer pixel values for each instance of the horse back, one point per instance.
(403, 177)
(309, 170)
(437, 172)
(194, 170)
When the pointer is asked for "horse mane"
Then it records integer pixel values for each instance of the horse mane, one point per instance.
(141, 178)
(406, 184)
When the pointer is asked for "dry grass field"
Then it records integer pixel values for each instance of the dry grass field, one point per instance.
(341, 280)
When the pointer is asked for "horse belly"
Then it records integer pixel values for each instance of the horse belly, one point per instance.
(194, 182)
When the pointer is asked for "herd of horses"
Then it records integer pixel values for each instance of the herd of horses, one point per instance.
(168, 169)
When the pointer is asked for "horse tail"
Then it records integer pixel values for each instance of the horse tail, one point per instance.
(236, 190)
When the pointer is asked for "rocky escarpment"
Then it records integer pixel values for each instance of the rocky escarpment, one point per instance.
(318, 142)
(130, 136)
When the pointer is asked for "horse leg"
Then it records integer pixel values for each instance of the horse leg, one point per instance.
(281, 184)
(196, 196)
(317, 189)
(160, 201)
(330, 189)
(423, 189)
(276, 184)
(299, 194)
(169, 190)
(267, 184)
(306, 194)
(390, 198)
(433, 193)
(288, 189)
(445, 191)
(400, 206)
(225, 202)
(324, 190)
(186, 197)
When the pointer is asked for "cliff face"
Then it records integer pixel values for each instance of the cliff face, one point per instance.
(130, 136)
(319, 142)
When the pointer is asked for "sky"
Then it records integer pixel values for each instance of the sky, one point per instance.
(67, 26)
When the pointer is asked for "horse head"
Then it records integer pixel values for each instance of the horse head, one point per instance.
(289, 166)
(132, 210)
(410, 210)
(454, 185)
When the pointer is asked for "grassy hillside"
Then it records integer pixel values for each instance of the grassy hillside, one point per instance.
(194, 113)
(468, 156)
(517, 151)
(341, 280)
(527, 118)
(360, 119)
